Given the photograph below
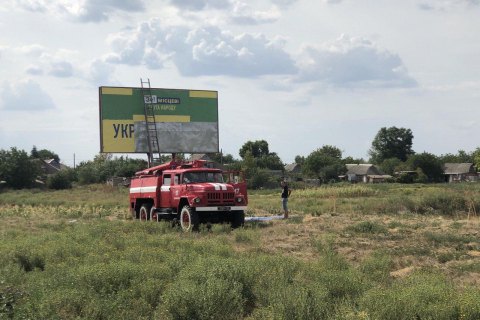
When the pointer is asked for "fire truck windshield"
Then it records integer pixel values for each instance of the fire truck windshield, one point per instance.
(199, 177)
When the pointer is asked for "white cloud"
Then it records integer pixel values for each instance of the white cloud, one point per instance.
(33, 50)
(445, 5)
(129, 46)
(83, 10)
(61, 69)
(31, 5)
(59, 63)
(34, 70)
(352, 62)
(100, 73)
(209, 51)
(195, 5)
(25, 95)
(284, 3)
(245, 14)
(201, 51)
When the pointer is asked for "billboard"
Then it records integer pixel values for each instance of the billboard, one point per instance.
(186, 120)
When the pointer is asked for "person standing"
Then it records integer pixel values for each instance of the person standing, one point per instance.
(285, 195)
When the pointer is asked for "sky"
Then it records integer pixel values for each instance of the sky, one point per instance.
(299, 74)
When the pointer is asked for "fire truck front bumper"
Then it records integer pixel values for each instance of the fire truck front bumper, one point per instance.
(221, 208)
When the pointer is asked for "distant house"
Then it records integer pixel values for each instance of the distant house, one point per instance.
(50, 166)
(293, 171)
(457, 172)
(367, 173)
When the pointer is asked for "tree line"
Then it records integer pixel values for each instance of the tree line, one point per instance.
(391, 151)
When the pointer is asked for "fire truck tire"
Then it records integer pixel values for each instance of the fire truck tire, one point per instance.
(189, 220)
(238, 219)
(145, 212)
(153, 214)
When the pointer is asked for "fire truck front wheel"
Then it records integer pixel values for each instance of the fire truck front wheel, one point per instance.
(145, 212)
(189, 220)
(238, 219)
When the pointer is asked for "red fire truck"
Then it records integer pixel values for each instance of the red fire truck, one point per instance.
(188, 192)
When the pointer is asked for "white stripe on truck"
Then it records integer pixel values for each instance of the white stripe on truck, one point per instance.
(219, 186)
(143, 189)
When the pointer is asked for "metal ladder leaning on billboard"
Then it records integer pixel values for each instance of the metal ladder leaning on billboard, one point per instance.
(152, 137)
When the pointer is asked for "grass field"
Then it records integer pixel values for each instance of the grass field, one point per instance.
(348, 252)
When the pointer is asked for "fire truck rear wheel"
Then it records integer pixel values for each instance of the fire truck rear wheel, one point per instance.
(189, 220)
(238, 219)
(145, 212)
(153, 214)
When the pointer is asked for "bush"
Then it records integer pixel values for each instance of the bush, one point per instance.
(377, 267)
(420, 296)
(368, 227)
(87, 173)
(17, 169)
(443, 202)
(208, 289)
(60, 180)
(30, 263)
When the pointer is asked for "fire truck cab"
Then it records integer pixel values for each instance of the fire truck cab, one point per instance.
(188, 192)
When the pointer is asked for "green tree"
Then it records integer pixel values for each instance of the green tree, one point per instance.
(257, 148)
(390, 166)
(87, 172)
(127, 167)
(17, 169)
(391, 142)
(256, 176)
(34, 153)
(270, 161)
(429, 164)
(300, 160)
(43, 154)
(104, 166)
(222, 158)
(325, 163)
(60, 180)
(476, 158)
(263, 158)
(460, 157)
(351, 160)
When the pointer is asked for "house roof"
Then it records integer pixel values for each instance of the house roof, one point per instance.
(54, 163)
(200, 156)
(363, 169)
(458, 168)
(293, 167)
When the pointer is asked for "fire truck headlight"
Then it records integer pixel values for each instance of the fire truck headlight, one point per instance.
(196, 200)
(239, 199)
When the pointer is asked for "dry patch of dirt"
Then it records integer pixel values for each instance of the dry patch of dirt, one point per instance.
(402, 272)
(412, 241)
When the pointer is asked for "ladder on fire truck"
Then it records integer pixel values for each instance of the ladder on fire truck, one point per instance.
(151, 127)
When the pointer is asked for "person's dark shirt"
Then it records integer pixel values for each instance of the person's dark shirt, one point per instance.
(285, 191)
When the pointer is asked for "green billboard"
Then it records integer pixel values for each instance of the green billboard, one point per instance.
(186, 121)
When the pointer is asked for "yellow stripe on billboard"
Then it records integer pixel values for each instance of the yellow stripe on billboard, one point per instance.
(163, 118)
(117, 91)
(203, 94)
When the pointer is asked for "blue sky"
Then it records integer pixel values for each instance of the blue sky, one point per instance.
(299, 74)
